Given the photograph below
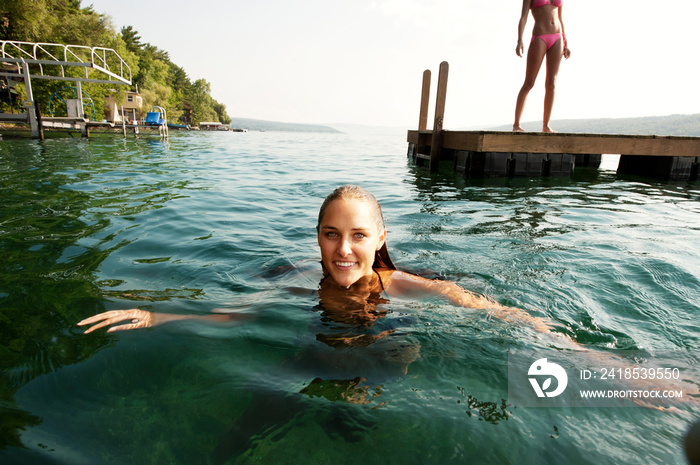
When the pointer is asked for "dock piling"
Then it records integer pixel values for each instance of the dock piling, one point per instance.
(29, 104)
(424, 102)
(436, 144)
(660, 167)
(123, 123)
(39, 120)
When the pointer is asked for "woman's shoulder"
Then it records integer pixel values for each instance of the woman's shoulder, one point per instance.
(398, 278)
(386, 276)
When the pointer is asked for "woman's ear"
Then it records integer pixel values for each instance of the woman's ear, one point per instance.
(382, 239)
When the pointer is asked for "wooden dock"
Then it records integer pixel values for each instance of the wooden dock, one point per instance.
(497, 153)
(76, 125)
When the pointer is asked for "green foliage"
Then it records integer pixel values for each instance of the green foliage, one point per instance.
(160, 81)
(131, 39)
(56, 21)
(24, 20)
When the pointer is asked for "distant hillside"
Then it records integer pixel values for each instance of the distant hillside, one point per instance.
(260, 125)
(369, 130)
(673, 125)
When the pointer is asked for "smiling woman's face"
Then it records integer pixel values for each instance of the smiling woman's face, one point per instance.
(349, 238)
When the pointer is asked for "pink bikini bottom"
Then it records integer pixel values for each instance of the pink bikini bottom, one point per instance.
(549, 39)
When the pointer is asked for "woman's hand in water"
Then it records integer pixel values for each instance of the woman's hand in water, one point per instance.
(139, 319)
(144, 319)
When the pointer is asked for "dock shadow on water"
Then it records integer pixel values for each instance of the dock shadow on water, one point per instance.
(215, 221)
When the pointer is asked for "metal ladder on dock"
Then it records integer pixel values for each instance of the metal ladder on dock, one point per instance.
(26, 61)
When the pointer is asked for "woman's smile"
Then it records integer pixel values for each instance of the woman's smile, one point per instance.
(344, 265)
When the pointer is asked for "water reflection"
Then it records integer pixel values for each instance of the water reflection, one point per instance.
(54, 203)
(529, 232)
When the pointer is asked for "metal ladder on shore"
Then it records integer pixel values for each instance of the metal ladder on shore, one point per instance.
(26, 61)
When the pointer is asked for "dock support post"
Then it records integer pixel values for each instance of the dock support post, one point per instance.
(123, 123)
(436, 144)
(423, 116)
(424, 101)
(29, 105)
(79, 91)
(664, 168)
(590, 160)
(39, 120)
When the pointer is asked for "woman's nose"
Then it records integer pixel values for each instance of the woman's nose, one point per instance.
(344, 248)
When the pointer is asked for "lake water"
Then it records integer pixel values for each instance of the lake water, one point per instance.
(207, 221)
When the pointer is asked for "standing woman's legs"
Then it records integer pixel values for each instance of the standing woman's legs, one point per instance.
(554, 55)
(535, 55)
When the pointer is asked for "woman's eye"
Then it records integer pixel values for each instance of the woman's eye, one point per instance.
(359, 236)
(331, 234)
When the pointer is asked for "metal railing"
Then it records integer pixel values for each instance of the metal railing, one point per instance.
(50, 61)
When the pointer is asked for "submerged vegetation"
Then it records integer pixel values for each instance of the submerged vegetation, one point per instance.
(160, 81)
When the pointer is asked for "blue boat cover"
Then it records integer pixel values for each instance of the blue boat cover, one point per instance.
(153, 117)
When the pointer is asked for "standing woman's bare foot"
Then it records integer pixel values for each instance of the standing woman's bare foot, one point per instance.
(517, 128)
(548, 129)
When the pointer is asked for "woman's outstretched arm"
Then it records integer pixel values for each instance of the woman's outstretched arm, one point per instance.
(408, 284)
(143, 319)
(240, 310)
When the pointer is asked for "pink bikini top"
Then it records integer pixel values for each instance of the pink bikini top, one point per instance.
(539, 3)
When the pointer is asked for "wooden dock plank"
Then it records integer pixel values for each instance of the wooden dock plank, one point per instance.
(496, 141)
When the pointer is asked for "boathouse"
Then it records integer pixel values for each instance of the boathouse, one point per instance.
(131, 106)
(213, 126)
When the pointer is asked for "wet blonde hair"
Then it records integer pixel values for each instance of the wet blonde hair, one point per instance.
(350, 192)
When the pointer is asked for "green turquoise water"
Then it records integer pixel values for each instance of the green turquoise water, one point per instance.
(216, 220)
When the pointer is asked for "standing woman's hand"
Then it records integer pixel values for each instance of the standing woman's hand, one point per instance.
(567, 52)
(520, 49)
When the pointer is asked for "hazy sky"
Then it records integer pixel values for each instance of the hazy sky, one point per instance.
(361, 61)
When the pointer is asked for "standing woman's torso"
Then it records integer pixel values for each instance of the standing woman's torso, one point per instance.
(546, 16)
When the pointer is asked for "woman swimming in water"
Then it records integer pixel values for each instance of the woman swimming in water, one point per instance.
(548, 40)
(356, 344)
(356, 265)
